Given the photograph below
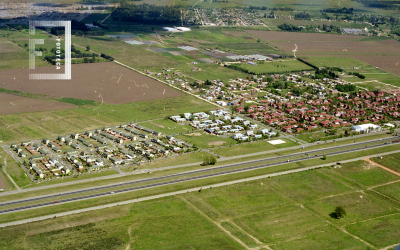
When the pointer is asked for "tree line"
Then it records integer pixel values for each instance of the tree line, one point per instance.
(147, 14)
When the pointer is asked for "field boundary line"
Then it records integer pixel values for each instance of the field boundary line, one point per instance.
(8, 176)
(170, 85)
(383, 167)
(383, 216)
(383, 184)
(215, 223)
(389, 247)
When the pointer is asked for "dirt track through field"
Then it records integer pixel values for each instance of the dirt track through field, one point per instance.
(385, 168)
(12, 104)
(108, 82)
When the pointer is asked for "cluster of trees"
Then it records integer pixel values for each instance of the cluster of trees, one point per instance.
(343, 10)
(346, 88)
(289, 27)
(107, 57)
(325, 73)
(282, 9)
(209, 160)
(303, 15)
(77, 29)
(147, 14)
(331, 28)
(384, 4)
(358, 75)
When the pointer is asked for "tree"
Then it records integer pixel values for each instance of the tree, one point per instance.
(209, 160)
(339, 212)
(323, 157)
(88, 48)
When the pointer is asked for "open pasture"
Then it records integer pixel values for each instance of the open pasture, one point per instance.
(275, 67)
(102, 82)
(12, 104)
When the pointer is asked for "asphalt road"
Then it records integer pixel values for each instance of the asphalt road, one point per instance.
(310, 155)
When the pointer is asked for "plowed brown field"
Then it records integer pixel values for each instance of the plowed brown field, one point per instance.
(383, 54)
(106, 82)
(12, 104)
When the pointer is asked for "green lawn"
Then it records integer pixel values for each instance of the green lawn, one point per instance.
(253, 147)
(14, 170)
(167, 127)
(365, 173)
(52, 123)
(276, 67)
(345, 63)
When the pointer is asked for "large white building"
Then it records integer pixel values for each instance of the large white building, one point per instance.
(366, 128)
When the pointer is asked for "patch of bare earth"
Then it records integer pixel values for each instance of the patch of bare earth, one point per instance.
(216, 143)
(195, 134)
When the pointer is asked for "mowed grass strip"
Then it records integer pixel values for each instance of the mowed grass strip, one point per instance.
(252, 147)
(167, 126)
(276, 67)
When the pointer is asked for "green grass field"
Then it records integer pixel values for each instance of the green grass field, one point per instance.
(290, 211)
(365, 173)
(276, 67)
(168, 127)
(53, 123)
(390, 161)
(249, 148)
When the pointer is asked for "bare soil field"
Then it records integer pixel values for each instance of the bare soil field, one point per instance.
(270, 36)
(312, 47)
(102, 82)
(12, 104)
(384, 54)
(387, 63)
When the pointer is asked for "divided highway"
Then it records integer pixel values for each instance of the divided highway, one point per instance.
(23, 204)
